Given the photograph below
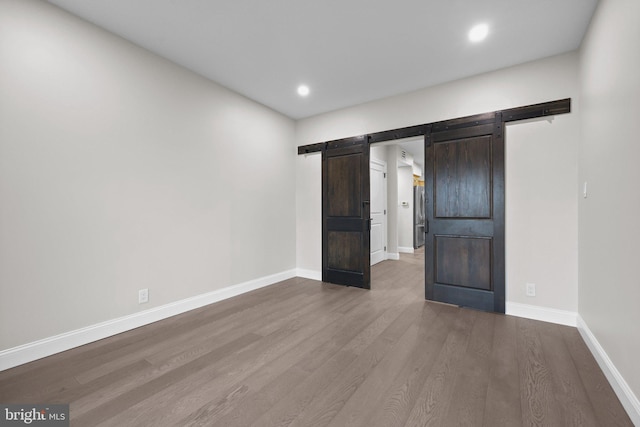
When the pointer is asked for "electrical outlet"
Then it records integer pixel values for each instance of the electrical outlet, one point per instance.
(531, 289)
(143, 296)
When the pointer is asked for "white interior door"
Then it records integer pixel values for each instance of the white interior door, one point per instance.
(378, 179)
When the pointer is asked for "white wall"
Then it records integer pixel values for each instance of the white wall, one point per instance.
(120, 170)
(309, 215)
(609, 229)
(540, 81)
(541, 186)
(392, 202)
(378, 152)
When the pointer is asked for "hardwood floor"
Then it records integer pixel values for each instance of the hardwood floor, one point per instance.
(302, 353)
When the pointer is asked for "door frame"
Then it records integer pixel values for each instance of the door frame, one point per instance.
(383, 165)
(552, 108)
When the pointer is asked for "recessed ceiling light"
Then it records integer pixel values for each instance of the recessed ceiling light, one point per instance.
(478, 33)
(303, 90)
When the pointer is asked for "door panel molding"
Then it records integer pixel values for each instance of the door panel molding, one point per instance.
(455, 177)
(472, 255)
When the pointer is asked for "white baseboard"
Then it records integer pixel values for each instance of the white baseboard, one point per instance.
(46, 347)
(545, 314)
(405, 249)
(628, 399)
(394, 256)
(309, 274)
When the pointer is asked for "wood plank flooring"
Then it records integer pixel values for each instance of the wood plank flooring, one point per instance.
(303, 353)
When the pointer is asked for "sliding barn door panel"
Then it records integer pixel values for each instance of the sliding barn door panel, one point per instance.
(464, 256)
(345, 216)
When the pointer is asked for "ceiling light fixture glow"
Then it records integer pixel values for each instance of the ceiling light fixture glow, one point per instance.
(478, 33)
(303, 90)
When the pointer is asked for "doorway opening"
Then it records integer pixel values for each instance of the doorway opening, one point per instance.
(397, 204)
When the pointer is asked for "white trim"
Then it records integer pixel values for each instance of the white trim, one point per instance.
(535, 312)
(309, 274)
(405, 250)
(394, 256)
(628, 399)
(46, 347)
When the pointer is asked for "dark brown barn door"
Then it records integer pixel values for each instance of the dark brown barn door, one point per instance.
(345, 212)
(464, 255)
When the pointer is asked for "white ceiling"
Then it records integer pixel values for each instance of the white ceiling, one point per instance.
(347, 51)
